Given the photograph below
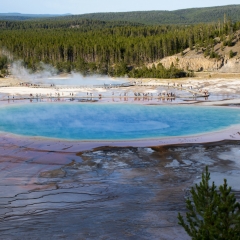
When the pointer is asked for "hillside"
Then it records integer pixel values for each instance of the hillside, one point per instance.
(227, 58)
(184, 16)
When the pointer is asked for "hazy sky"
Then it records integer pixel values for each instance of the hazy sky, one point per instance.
(89, 6)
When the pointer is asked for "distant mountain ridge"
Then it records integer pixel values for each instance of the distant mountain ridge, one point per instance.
(22, 16)
(183, 16)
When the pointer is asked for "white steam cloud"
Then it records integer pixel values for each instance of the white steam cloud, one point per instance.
(19, 71)
(48, 75)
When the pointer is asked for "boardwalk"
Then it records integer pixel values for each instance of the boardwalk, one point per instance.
(194, 93)
(112, 86)
(76, 86)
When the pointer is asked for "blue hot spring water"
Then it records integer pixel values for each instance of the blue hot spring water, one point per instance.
(88, 121)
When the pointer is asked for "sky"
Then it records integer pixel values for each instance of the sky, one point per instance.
(90, 6)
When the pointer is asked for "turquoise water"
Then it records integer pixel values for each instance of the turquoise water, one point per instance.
(88, 121)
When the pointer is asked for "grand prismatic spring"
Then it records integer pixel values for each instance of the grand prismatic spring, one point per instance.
(89, 121)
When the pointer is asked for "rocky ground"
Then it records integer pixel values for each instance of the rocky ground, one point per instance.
(105, 193)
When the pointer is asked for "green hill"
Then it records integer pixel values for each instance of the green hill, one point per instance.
(184, 16)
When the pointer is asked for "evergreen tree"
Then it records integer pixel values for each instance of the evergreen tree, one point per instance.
(211, 214)
(228, 212)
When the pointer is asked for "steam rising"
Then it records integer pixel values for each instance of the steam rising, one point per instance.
(48, 75)
(19, 71)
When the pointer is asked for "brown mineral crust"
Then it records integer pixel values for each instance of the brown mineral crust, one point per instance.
(57, 173)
